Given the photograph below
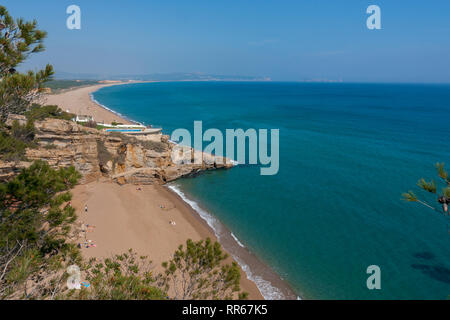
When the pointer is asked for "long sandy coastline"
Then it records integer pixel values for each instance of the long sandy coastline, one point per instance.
(78, 101)
(125, 217)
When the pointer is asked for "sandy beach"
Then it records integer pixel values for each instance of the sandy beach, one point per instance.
(78, 101)
(127, 218)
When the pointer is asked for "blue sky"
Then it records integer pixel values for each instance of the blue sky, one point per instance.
(283, 40)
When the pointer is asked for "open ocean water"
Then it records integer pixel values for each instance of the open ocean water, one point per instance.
(347, 153)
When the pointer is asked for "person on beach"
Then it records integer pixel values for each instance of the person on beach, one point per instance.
(86, 208)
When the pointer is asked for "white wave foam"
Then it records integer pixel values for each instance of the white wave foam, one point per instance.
(237, 240)
(268, 291)
(91, 95)
(210, 220)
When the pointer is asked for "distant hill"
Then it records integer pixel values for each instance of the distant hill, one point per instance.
(196, 76)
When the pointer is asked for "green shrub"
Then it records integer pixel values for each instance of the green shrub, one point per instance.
(11, 149)
(197, 272)
(68, 84)
(24, 133)
(200, 272)
(122, 277)
(18, 40)
(13, 145)
(34, 224)
(38, 112)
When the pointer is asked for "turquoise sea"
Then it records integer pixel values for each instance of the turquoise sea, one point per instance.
(347, 153)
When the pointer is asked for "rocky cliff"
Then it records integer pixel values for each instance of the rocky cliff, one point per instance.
(122, 158)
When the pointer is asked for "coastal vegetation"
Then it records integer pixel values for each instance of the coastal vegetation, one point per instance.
(19, 92)
(16, 136)
(38, 112)
(443, 195)
(35, 221)
(38, 251)
(19, 39)
(124, 276)
(15, 141)
(56, 85)
(197, 272)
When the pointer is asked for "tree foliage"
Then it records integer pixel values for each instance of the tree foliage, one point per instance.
(199, 272)
(34, 225)
(13, 143)
(38, 112)
(443, 197)
(35, 221)
(122, 277)
(18, 40)
(15, 140)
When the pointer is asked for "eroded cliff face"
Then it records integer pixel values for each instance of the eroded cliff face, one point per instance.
(122, 158)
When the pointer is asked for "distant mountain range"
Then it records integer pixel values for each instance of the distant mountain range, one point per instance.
(196, 76)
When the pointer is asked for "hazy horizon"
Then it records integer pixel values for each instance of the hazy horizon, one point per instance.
(283, 41)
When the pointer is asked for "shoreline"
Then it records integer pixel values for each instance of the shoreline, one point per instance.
(247, 283)
(268, 282)
(123, 218)
(80, 101)
(257, 278)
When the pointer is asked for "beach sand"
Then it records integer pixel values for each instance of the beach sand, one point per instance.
(78, 101)
(125, 218)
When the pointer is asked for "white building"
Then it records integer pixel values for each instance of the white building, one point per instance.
(81, 118)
